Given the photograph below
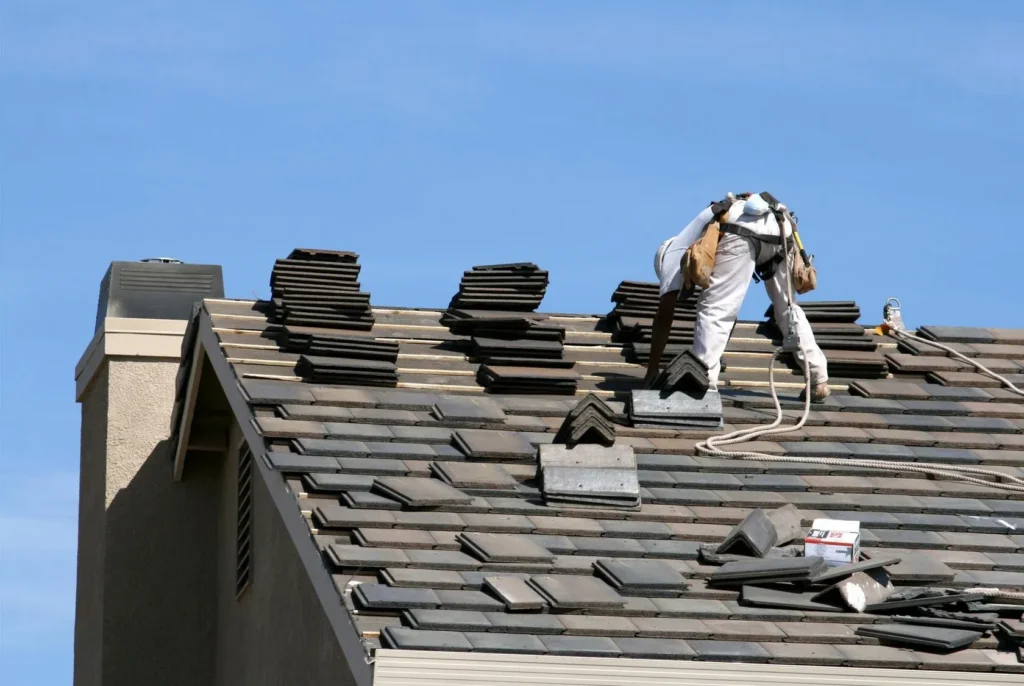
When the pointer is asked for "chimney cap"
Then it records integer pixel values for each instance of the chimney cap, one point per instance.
(157, 288)
(162, 260)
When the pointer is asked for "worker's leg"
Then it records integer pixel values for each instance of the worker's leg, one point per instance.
(719, 305)
(778, 291)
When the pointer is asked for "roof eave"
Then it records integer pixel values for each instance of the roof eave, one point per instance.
(410, 667)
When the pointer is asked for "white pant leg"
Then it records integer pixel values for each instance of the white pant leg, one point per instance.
(719, 304)
(778, 291)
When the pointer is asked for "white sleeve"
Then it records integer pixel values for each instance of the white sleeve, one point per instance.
(670, 274)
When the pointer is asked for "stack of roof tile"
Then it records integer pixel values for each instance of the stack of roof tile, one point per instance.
(319, 288)
(589, 475)
(591, 421)
(517, 379)
(348, 370)
(327, 342)
(677, 410)
(632, 318)
(494, 306)
(834, 324)
(316, 298)
(517, 287)
(464, 322)
(519, 352)
(640, 299)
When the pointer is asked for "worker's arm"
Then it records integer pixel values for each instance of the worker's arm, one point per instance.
(659, 335)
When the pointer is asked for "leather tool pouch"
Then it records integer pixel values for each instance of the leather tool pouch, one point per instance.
(805, 276)
(699, 258)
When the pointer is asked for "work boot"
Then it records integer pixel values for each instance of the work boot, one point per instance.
(818, 393)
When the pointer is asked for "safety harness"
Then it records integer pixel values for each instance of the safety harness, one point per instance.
(699, 261)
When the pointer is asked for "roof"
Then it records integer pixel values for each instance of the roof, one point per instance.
(407, 577)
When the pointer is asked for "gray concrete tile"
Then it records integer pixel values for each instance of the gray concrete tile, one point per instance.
(729, 651)
(441, 559)
(691, 608)
(597, 625)
(367, 558)
(411, 639)
(490, 547)
(421, 578)
(469, 600)
(576, 592)
(506, 643)
(447, 620)
(379, 597)
(655, 648)
(333, 515)
(582, 646)
(877, 656)
(804, 654)
(440, 521)
(514, 592)
(524, 623)
(671, 627)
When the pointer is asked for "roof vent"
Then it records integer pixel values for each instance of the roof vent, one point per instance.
(156, 288)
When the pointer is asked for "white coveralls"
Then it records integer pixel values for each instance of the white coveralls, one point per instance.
(719, 304)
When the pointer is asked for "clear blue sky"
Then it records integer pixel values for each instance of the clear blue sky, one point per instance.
(431, 136)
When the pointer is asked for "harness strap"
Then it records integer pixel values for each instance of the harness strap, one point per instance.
(746, 232)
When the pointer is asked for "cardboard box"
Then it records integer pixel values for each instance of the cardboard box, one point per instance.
(835, 540)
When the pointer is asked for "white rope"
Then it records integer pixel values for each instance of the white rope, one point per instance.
(997, 593)
(898, 334)
(710, 447)
(994, 479)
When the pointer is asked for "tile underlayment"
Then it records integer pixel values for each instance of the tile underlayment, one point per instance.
(332, 444)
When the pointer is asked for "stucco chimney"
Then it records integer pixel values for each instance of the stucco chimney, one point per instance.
(125, 382)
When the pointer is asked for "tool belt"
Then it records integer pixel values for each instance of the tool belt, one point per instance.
(699, 259)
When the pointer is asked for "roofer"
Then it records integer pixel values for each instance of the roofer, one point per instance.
(720, 250)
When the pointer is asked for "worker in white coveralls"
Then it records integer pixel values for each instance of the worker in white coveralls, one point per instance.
(749, 243)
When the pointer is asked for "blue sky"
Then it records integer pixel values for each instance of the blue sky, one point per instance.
(431, 136)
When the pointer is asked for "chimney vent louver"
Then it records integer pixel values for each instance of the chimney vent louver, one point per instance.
(156, 288)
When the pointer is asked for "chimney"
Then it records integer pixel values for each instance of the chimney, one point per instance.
(156, 288)
(129, 508)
